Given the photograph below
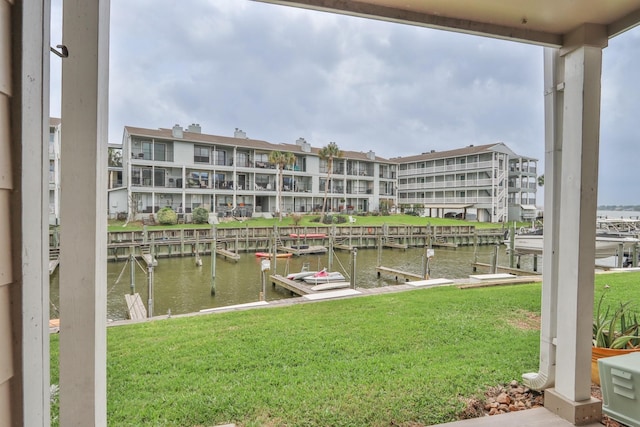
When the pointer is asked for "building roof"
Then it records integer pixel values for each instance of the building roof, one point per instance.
(54, 121)
(553, 23)
(465, 151)
(255, 144)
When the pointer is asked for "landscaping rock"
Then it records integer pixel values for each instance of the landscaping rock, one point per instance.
(516, 397)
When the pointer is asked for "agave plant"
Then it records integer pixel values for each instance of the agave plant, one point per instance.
(617, 329)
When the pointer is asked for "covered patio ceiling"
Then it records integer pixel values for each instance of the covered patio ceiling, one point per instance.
(544, 22)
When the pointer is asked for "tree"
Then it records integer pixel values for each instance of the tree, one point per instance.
(115, 157)
(541, 180)
(281, 160)
(328, 152)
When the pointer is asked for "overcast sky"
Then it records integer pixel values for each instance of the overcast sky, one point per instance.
(280, 73)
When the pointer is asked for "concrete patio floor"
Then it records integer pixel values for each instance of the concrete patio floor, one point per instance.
(537, 417)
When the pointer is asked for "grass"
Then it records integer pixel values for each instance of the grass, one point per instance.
(405, 359)
(306, 221)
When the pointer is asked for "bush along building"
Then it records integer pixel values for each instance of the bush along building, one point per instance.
(489, 183)
(183, 168)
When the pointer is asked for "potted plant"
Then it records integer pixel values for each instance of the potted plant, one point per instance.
(615, 332)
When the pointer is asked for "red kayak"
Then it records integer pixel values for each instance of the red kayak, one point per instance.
(268, 255)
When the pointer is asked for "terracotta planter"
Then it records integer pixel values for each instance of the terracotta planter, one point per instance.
(599, 352)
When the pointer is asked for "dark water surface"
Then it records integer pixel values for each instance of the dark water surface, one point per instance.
(183, 287)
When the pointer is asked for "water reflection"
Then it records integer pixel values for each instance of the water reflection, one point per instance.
(183, 287)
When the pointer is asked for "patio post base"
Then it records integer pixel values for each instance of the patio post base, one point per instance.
(578, 413)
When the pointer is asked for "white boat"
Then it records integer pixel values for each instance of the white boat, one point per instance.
(606, 245)
(324, 276)
(300, 275)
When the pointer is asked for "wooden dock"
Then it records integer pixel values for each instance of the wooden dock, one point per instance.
(303, 250)
(391, 242)
(150, 260)
(135, 307)
(299, 288)
(228, 254)
(516, 271)
(444, 244)
(398, 273)
(54, 260)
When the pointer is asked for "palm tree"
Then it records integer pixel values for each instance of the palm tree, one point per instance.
(328, 153)
(281, 160)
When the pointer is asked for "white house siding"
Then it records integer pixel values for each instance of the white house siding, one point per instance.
(6, 185)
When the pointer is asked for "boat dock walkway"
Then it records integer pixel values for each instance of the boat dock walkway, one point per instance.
(391, 242)
(398, 273)
(303, 250)
(228, 254)
(297, 287)
(54, 260)
(500, 269)
(135, 307)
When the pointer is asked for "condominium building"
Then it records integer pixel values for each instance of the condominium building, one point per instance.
(54, 170)
(473, 180)
(183, 168)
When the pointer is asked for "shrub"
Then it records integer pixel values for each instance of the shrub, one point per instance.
(315, 219)
(200, 215)
(296, 218)
(167, 216)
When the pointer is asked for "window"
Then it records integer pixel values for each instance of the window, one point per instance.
(141, 176)
(160, 152)
(147, 147)
(221, 157)
(158, 177)
(242, 159)
(200, 154)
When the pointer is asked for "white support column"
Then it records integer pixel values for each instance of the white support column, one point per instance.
(28, 37)
(577, 223)
(575, 234)
(85, 87)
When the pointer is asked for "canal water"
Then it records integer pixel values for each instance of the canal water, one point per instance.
(179, 286)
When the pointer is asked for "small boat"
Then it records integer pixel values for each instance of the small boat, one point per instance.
(531, 243)
(324, 276)
(270, 255)
(300, 275)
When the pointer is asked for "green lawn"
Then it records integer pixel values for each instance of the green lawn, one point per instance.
(404, 359)
(307, 220)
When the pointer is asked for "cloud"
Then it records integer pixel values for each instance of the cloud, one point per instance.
(280, 73)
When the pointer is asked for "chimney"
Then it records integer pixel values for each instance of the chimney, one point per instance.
(304, 145)
(239, 133)
(371, 155)
(195, 128)
(177, 131)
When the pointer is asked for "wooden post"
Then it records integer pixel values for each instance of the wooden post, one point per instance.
(512, 244)
(214, 246)
(330, 255)
(620, 255)
(354, 255)
(132, 273)
(274, 248)
(150, 290)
